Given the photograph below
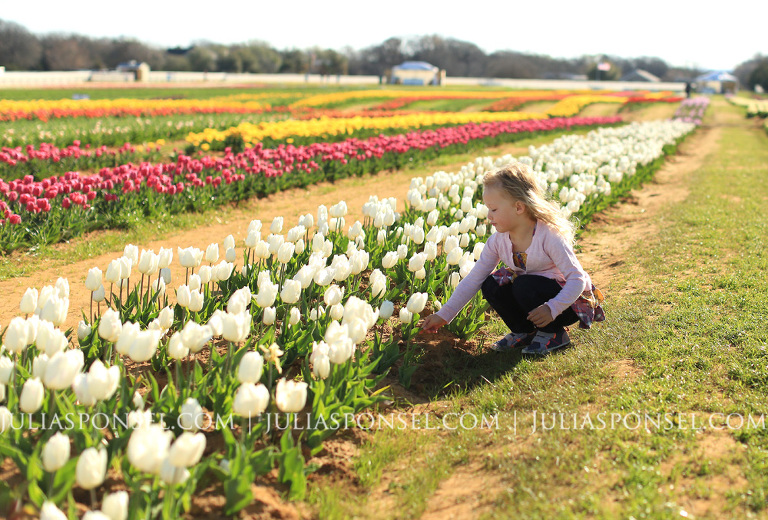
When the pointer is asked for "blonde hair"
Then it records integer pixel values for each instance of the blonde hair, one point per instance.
(516, 180)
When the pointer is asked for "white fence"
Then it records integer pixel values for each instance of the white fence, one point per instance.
(16, 79)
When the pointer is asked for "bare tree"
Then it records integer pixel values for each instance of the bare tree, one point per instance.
(19, 48)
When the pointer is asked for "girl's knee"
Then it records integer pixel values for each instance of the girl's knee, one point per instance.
(489, 287)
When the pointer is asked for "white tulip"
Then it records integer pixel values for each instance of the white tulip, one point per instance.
(250, 368)
(176, 349)
(290, 396)
(131, 252)
(416, 302)
(49, 511)
(144, 345)
(230, 254)
(195, 301)
(250, 400)
(270, 315)
(28, 301)
(183, 296)
(212, 253)
(192, 415)
(99, 294)
(285, 252)
(148, 447)
(6, 369)
(110, 325)
(62, 367)
(128, 334)
(102, 381)
(333, 294)
(321, 366)
(17, 335)
(236, 327)
(115, 505)
(93, 279)
(187, 450)
(6, 419)
(205, 273)
(195, 336)
(148, 262)
(32, 394)
(295, 316)
(56, 452)
(91, 468)
(277, 225)
(291, 291)
(386, 309)
(405, 316)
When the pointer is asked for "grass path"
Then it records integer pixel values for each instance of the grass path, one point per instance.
(679, 368)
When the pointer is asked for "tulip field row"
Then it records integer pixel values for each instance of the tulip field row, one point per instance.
(60, 207)
(265, 348)
(113, 122)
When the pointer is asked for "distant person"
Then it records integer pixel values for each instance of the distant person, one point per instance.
(544, 288)
(688, 89)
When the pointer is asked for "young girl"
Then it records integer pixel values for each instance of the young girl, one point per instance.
(544, 289)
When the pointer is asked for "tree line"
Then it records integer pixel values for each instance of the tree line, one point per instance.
(22, 50)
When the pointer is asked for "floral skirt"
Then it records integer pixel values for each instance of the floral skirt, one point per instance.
(588, 306)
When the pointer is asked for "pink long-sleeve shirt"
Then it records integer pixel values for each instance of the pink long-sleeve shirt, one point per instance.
(548, 255)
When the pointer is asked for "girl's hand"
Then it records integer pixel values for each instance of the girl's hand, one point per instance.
(541, 316)
(432, 323)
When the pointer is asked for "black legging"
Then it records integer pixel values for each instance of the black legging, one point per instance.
(515, 300)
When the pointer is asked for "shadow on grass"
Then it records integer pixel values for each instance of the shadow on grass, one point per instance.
(449, 365)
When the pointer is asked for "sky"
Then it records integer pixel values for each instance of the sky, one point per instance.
(719, 37)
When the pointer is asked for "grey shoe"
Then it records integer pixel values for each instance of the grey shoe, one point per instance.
(512, 341)
(546, 342)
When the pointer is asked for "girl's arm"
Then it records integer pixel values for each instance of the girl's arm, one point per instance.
(471, 283)
(564, 258)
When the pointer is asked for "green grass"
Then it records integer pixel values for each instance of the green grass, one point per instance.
(693, 339)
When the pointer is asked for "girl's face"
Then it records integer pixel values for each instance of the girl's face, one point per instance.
(504, 212)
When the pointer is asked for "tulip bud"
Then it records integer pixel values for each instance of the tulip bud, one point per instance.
(17, 336)
(99, 294)
(195, 301)
(62, 286)
(250, 400)
(93, 279)
(212, 253)
(205, 273)
(416, 302)
(386, 309)
(333, 294)
(291, 291)
(83, 394)
(250, 368)
(295, 316)
(236, 327)
(270, 315)
(176, 348)
(277, 225)
(230, 254)
(91, 468)
(144, 345)
(56, 452)
(321, 366)
(187, 450)
(131, 252)
(405, 316)
(290, 396)
(6, 369)
(285, 252)
(5, 419)
(28, 301)
(32, 394)
(148, 447)
(115, 505)
(38, 366)
(183, 296)
(103, 381)
(113, 272)
(417, 262)
(165, 274)
(192, 415)
(110, 325)
(62, 367)
(49, 511)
